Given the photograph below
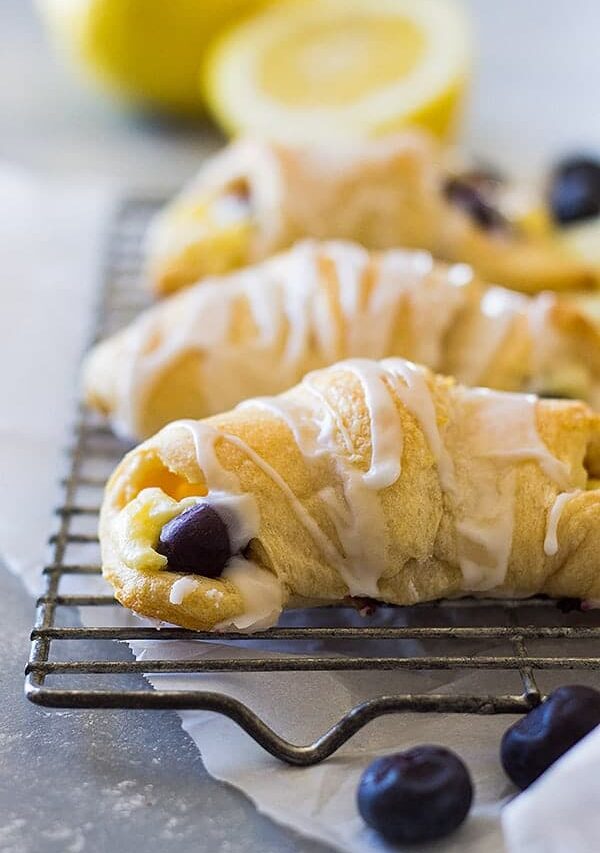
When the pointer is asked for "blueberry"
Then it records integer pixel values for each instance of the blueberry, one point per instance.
(574, 192)
(535, 741)
(470, 197)
(419, 795)
(196, 542)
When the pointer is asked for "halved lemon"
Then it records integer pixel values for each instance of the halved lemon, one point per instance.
(312, 70)
(148, 51)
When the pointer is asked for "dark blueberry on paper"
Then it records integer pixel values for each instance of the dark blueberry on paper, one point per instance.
(414, 796)
(537, 740)
(196, 542)
(574, 192)
(469, 196)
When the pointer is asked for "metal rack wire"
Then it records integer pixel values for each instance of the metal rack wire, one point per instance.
(482, 624)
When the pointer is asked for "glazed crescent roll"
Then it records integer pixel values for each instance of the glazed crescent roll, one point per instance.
(256, 198)
(376, 479)
(260, 330)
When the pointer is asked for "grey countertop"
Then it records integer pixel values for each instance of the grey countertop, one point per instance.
(78, 781)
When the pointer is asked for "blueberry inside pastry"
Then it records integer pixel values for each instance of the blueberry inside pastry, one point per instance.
(369, 479)
(256, 198)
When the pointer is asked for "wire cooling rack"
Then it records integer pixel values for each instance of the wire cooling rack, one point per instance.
(83, 667)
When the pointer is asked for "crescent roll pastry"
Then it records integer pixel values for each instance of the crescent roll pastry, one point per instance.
(376, 479)
(256, 198)
(260, 330)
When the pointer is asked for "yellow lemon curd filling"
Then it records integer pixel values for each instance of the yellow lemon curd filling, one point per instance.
(223, 225)
(138, 525)
(211, 235)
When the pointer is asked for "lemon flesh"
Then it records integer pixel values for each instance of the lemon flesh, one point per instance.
(319, 69)
(148, 51)
(327, 66)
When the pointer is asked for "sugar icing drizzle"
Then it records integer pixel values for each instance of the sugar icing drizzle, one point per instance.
(397, 302)
(260, 589)
(416, 396)
(508, 431)
(182, 587)
(356, 512)
(262, 594)
(490, 432)
(499, 310)
(498, 430)
(554, 516)
(300, 323)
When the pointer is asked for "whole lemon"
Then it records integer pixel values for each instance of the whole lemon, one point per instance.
(148, 51)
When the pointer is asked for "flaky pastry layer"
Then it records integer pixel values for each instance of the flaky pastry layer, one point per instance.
(255, 198)
(369, 478)
(258, 331)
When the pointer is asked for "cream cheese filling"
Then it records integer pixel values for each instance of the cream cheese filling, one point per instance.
(477, 452)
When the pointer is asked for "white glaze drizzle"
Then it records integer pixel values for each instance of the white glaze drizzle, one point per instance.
(306, 519)
(300, 328)
(509, 432)
(262, 595)
(417, 398)
(494, 431)
(498, 311)
(334, 417)
(554, 516)
(543, 334)
(357, 514)
(497, 431)
(182, 588)
(384, 423)
(240, 512)
(351, 264)
(204, 440)
(289, 302)
(502, 313)
(485, 531)
(433, 298)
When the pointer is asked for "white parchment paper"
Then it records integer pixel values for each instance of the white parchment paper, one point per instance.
(49, 252)
(50, 234)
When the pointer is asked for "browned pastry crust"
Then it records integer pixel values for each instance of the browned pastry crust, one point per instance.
(259, 331)
(382, 194)
(470, 505)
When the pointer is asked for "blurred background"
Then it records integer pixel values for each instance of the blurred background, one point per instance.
(532, 93)
(68, 145)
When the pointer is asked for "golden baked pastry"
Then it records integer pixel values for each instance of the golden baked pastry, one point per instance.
(260, 330)
(369, 478)
(256, 198)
